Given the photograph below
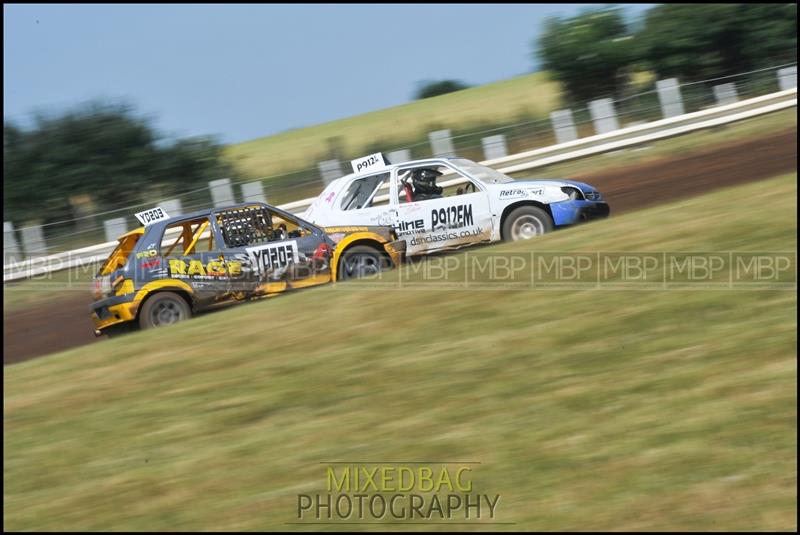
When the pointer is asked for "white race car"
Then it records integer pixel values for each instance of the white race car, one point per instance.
(470, 204)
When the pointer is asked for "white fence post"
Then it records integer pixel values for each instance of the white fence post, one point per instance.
(441, 143)
(116, 227)
(11, 251)
(330, 170)
(787, 77)
(399, 156)
(725, 93)
(221, 192)
(494, 147)
(669, 95)
(563, 126)
(33, 239)
(253, 192)
(172, 207)
(603, 115)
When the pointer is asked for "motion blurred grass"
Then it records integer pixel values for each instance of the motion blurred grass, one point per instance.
(588, 409)
(27, 293)
(682, 145)
(533, 95)
(282, 191)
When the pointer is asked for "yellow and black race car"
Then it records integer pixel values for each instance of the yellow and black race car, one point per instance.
(172, 267)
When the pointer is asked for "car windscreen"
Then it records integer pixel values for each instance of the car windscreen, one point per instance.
(481, 172)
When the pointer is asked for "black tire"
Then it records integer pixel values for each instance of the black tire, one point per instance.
(361, 261)
(164, 308)
(526, 222)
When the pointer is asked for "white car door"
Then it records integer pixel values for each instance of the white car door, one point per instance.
(453, 220)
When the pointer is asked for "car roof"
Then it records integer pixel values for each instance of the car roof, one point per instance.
(201, 213)
(216, 209)
(370, 172)
(209, 211)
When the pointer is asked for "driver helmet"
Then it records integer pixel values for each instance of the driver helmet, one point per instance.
(425, 180)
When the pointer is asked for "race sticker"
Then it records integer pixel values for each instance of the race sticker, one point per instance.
(367, 163)
(273, 257)
(148, 217)
(183, 268)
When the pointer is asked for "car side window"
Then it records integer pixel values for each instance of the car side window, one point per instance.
(255, 225)
(424, 183)
(186, 237)
(366, 192)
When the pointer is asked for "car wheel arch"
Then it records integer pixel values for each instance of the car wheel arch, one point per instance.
(178, 291)
(513, 206)
(363, 242)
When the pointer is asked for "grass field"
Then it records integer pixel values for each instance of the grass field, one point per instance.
(587, 408)
(287, 191)
(533, 95)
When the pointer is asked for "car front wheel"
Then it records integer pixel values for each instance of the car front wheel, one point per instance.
(526, 222)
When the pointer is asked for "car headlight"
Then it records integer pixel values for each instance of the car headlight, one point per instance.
(573, 193)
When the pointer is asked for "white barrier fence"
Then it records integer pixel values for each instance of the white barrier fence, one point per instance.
(610, 141)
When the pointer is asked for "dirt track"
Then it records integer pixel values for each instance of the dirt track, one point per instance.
(64, 323)
(665, 180)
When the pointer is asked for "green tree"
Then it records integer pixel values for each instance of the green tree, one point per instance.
(702, 41)
(771, 33)
(590, 54)
(429, 89)
(101, 150)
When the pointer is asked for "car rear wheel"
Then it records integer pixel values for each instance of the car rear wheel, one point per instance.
(526, 222)
(361, 261)
(164, 308)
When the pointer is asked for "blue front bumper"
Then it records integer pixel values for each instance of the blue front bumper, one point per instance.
(571, 212)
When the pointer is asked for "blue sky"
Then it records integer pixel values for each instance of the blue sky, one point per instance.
(245, 71)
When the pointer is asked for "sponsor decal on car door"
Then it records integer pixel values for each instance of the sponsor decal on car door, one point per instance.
(209, 274)
(441, 223)
(292, 261)
(271, 261)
